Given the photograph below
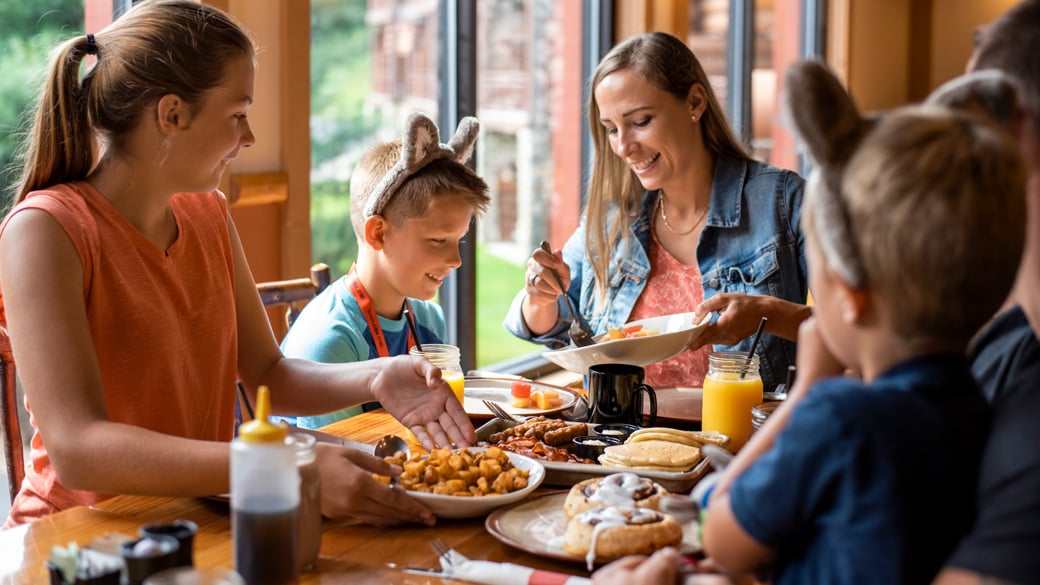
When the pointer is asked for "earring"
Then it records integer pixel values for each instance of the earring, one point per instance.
(694, 117)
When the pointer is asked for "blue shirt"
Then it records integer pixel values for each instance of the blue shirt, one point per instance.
(751, 244)
(332, 329)
(870, 483)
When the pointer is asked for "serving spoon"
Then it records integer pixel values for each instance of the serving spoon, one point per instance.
(388, 446)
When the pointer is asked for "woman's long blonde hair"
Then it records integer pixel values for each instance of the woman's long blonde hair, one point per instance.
(158, 47)
(668, 63)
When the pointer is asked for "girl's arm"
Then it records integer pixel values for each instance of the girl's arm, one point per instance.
(43, 297)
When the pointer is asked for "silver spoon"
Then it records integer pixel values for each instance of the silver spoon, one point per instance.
(389, 446)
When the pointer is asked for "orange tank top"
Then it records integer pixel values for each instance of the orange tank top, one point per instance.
(163, 323)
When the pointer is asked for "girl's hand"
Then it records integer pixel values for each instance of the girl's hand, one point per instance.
(411, 389)
(349, 492)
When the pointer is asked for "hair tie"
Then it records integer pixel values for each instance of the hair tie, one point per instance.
(92, 48)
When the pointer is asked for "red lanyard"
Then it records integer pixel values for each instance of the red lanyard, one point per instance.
(364, 301)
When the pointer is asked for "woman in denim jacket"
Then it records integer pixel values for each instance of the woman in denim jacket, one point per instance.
(680, 217)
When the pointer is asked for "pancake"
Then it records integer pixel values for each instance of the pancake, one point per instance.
(652, 453)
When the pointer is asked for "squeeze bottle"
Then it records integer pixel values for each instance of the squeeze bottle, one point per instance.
(265, 500)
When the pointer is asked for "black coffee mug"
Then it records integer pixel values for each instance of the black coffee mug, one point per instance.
(616, 395)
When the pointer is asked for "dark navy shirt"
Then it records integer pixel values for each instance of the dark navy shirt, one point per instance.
(870, 483)
(1005, 541)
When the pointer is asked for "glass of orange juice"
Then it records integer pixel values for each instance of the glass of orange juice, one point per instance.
(731, 389)
(449, 359)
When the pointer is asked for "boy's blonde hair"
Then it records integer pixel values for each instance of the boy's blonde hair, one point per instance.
(399, 179)
(924, 206)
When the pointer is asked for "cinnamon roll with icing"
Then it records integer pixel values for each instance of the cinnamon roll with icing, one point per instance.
(609, 533)
(617, 489)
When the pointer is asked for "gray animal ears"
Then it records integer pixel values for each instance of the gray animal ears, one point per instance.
(831, 128)
(989, 92)
(419, 147)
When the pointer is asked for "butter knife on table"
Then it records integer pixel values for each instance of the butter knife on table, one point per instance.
(323, 437)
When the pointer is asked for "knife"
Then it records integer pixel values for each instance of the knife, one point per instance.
(323, 437)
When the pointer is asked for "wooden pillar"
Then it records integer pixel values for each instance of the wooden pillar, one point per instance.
(633, 17)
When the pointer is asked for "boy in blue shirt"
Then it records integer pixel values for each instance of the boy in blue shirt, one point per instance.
(915, 223)
(412, 202)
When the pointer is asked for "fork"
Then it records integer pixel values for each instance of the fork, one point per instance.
(442, 549)
(499, 411)
(579, 330)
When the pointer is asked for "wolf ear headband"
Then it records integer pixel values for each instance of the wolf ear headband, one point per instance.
(419, 147)
(832, 129)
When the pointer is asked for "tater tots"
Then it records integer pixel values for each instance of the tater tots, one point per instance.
(461, 473)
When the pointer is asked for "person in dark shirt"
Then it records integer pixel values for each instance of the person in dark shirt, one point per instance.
(1003, 545)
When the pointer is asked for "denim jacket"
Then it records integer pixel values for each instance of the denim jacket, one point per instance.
(751, 244)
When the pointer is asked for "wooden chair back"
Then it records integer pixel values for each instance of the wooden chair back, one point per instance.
(14, 451)
(293, 294)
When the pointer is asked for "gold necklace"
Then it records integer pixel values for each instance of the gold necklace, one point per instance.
(660, 205)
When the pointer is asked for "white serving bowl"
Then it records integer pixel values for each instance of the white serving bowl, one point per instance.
(472, 507)
(676, 333)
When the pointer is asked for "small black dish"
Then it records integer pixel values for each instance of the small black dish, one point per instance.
(147, 556)
(592, 446)
(617, 430)
(183, 530)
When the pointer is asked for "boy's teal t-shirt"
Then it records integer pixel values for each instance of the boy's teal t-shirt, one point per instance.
(332, 329)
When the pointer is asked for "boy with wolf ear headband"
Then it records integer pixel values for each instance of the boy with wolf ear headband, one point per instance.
(914, 220)
(412, 201)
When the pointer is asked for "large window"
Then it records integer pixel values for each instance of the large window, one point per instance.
(374, 62)
(520, 67)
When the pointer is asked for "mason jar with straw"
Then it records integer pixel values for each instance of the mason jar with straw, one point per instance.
(732, 388)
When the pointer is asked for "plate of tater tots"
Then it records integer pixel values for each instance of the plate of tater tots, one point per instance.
(469, 482)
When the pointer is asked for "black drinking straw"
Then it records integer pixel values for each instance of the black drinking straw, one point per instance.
(754, 346)
(411, 325)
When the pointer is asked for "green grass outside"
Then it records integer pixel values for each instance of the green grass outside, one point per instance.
(498, 281)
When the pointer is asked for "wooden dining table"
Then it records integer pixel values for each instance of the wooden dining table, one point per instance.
(349, 553)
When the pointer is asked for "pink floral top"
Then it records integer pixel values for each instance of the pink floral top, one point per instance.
(673, 287)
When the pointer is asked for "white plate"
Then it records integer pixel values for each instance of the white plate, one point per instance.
(537, 526)
(472, 507)
(676, 333)
(498, 390)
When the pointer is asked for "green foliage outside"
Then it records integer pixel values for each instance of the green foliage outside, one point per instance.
(28, 31)
(498, 284)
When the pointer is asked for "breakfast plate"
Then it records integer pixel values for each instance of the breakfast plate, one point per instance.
(445, 506)
(668, 336)
(498, 390)
(537, 526)
(560, 473)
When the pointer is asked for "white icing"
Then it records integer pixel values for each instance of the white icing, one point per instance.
(611, 432)
(611, 518)
(618, 489)
(595, 443)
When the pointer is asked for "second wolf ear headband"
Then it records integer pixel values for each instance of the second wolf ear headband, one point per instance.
(419, 147)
